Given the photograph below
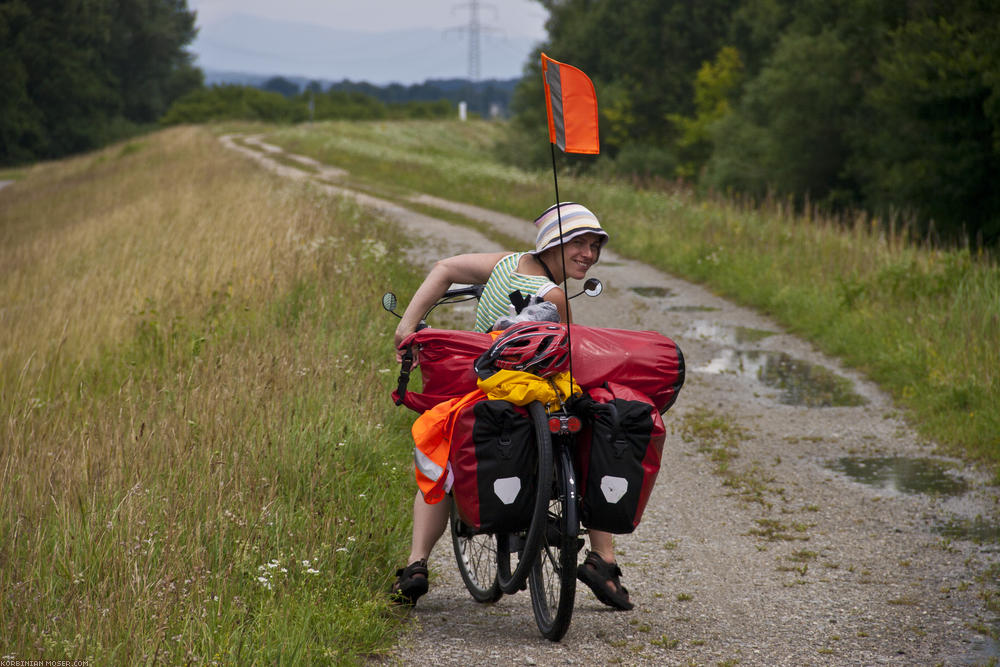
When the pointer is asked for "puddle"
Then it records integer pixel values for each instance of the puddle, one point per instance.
(902, 474)
(691, 309)
(978, 530)
(725, 335)
(652, 292)
(800, 382)
(985, 649)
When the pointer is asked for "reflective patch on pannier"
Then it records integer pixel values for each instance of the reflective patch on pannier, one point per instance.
(507, 489)
(613, 488)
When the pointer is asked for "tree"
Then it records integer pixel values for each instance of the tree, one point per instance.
(792, 118)
(146, 57)
(933, 146)
(77, 73)
(715, 88)
(282, 86)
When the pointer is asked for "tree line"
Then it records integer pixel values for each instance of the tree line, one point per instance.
(79, 73)
(242, 102)
(890, 106)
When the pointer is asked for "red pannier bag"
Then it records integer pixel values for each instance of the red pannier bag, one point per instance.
(445, 358)
(647, 361)
(494, 460)
(618, 457)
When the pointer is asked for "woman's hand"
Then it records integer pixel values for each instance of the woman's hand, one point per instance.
(402, 332)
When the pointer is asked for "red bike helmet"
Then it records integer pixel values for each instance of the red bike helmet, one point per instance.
(541, 348)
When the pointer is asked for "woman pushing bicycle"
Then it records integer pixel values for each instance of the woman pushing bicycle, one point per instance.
(531, 279)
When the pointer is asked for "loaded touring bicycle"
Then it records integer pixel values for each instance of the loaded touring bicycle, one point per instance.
(533, 458)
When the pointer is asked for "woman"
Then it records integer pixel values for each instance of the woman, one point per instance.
(534, 275)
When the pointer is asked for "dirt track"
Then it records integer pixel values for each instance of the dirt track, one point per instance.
(783, 559)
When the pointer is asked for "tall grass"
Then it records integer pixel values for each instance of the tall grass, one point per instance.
(199, 462)
(923, 321)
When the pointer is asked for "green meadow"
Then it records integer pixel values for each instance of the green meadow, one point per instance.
(200, 460)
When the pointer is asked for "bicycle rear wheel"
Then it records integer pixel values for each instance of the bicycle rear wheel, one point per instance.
(524, 545)
(552, 582)
(476, 556)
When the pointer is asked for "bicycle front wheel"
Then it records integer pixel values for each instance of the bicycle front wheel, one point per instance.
(552, 582)
(476, 556)
(524, 546)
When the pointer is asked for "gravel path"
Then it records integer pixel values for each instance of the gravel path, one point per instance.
(781, 558)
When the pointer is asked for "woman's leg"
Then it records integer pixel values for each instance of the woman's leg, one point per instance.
(603, 544)
(601, 573)
(429, 524)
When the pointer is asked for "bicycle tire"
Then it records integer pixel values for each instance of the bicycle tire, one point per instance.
(552, 582)
(476, 556)
(526, 546)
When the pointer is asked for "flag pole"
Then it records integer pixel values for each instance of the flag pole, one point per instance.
(562, 254)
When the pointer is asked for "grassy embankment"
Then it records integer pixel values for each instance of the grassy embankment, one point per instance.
(923, 322)
(199, 462)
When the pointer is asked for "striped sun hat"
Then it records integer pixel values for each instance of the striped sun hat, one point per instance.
(576, 220)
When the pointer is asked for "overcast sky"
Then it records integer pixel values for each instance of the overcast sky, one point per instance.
(509, 31)
(514, 17)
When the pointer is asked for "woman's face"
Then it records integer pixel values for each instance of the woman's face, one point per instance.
(581, 253)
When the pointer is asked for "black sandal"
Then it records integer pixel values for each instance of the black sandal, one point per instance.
(408, 588)
(599, 576)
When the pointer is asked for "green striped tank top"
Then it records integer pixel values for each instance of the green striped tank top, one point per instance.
(495, 301)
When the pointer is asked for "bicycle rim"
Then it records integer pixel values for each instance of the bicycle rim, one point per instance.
(552, 582)
(476, 556)
(525, 546)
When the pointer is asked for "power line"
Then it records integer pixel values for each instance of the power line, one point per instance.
(474, 29)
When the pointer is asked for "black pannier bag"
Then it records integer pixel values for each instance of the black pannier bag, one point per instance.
(618, 457)
(494, 460)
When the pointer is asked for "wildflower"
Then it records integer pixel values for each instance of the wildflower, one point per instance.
(312, 571)
(305, 563)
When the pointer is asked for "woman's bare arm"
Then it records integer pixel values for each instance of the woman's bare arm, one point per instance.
(472, 269)
(557, 296)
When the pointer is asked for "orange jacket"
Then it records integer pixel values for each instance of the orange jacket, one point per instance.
(432, 432)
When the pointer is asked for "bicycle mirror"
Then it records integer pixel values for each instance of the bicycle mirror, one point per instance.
(389, 302)
(592, 287)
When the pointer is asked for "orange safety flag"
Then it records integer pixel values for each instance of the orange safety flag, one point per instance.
(571, 103)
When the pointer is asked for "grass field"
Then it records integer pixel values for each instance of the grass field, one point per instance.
(196, 424)
(194, 375)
